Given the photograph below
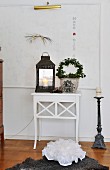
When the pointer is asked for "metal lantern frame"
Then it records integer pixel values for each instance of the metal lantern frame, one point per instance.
(45, 66)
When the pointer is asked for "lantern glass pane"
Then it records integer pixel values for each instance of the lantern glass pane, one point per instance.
(45, 77)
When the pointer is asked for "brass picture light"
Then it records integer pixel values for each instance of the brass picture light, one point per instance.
(47, 7)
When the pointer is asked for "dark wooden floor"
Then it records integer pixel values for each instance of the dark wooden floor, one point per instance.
(16, 151)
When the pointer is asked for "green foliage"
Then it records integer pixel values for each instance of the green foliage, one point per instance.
(66, 62)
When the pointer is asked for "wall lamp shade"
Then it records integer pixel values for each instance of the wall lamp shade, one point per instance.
(47, 7)
(45, 75)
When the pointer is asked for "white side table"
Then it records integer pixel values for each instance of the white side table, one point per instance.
(55, 106)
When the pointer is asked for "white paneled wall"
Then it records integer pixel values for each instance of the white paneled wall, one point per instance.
(18, 55)
(18, 112)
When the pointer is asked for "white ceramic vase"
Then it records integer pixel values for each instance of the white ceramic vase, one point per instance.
(69, 85)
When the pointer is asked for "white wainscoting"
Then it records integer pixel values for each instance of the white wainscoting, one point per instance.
(18, 112)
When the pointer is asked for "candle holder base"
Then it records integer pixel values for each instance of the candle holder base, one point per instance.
(99, 142)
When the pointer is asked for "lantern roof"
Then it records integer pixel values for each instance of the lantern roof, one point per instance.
(45, 62)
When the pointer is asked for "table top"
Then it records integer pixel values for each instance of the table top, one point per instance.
(78, 93)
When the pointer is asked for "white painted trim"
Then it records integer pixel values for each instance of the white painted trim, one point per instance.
(18, 87)
(22, 137)
(81, 139)
(44, 2)
(31, 87)
(100, 46)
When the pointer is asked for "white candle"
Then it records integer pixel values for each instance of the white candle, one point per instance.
(45, 82)
(98, 92)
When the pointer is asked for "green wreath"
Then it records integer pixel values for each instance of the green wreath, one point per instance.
(66, 62)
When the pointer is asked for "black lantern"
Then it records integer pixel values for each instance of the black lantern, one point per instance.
(45, 74)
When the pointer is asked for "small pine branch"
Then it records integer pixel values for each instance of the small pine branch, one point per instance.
(33, 37)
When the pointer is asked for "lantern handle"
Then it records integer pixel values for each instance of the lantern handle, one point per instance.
(45, 53)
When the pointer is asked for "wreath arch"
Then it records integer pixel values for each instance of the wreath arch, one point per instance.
(66, 62)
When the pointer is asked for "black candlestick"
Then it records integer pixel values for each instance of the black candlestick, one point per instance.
(99, 139)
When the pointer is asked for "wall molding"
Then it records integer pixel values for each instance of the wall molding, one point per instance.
(81, 139)
(65, 2)
(9, 3)
(30, 87)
